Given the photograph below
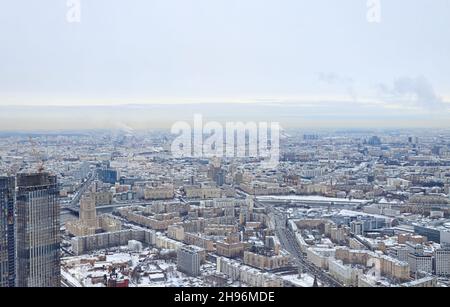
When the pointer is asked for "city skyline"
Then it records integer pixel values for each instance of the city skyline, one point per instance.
(135, 117)
(349, 208)
(224, 151)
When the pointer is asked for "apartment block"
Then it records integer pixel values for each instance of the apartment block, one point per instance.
(188, 260)
(443, 262)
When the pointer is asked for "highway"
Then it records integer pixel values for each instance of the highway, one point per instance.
(289, 243)
(74, 204)
(84, 186)
(76, 209)
(68, 281)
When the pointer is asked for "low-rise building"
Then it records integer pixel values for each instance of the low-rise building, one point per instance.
(163, 191)
(267, 261)
(231, 247)
(236, 271)
(344, 273)
(320, 256)
(176, 232)
(199, 240)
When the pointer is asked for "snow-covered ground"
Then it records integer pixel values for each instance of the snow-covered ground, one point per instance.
(312, 199)
(306, 281)
(89, 270)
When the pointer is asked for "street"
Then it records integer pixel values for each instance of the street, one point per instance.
(289, 243)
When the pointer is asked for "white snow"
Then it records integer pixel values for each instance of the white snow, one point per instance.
(313, 198)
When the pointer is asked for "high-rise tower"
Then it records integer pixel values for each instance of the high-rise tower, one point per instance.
(7, 232)
(38, 239)
(88, 213)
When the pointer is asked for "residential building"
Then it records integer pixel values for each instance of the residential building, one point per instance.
(442, 258)
(188, 260)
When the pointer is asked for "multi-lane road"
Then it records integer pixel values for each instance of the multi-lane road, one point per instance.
(289, 243)
(75, 202)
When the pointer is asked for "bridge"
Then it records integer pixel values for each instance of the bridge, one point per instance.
(76, 209)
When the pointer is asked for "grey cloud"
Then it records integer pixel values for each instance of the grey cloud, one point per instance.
(413, 91)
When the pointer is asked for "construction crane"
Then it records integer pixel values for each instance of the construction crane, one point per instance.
(14, 169)
(2, 166)
(37, 156)
(9, 169)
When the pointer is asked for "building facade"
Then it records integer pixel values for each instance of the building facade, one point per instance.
(267, 261)
(38, 224)
(7, 232)
(420, 263)
(188, 260)
(443, 262)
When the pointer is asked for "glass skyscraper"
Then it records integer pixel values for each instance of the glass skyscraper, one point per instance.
(38, 224)
(7, 232)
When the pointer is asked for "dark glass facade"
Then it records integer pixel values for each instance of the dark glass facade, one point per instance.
(38, 224)
(7, 232)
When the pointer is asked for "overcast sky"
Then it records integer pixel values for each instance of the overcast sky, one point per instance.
(308, 54)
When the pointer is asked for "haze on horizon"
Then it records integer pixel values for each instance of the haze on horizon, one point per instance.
(149, 63)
